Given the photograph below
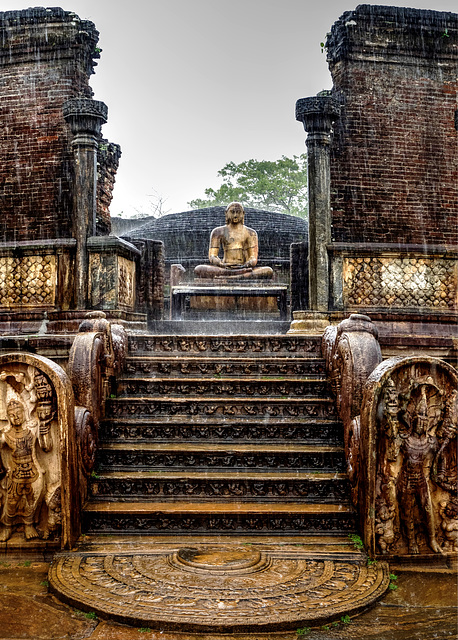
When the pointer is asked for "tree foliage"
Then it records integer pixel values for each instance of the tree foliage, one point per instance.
(279, 185)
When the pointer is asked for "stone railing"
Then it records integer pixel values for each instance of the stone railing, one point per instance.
(400, 425)
(97, 355)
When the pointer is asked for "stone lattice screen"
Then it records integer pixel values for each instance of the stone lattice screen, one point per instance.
(393, 279)
(399, 282)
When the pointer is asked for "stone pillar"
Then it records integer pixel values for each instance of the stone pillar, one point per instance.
(317, 114)
(85, 117)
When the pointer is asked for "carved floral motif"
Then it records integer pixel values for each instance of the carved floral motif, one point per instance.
(199, 345)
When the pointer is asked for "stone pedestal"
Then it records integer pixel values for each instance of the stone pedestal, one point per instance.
(309, 323)
(229, 297)
(111, 273)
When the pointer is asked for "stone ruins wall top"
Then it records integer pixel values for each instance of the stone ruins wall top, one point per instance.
(46, 58)
(394, 158)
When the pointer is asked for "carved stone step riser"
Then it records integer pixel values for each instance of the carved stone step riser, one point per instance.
(214, 388)
(210, 524)
(253, 408)
(324, 491)
(241, 345)
(311, 434)
(144, 460)
(214, 367)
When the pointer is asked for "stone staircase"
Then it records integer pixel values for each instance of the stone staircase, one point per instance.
(221, 436)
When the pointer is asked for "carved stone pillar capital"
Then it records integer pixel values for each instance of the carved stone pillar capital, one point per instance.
(317, 114)
(85, 117)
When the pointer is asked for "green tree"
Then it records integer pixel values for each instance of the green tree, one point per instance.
(279, 185)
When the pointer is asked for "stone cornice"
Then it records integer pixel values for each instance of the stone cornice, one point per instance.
(395, 34)
(51, 33)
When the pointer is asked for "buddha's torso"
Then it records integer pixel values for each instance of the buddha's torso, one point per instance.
(237, 242)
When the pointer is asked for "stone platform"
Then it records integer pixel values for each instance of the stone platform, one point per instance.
(235, 297)
(218, 588)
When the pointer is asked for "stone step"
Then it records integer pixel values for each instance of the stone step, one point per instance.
(199, 428)
(209, 485)
(156, 366)
(217, 456)
(260, 408)
(315, 546)
(238, 387)
(216, 518)
(256, 346)
(219, 326)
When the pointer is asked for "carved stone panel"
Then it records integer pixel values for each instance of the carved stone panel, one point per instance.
(27, 281)
(409, 439)
(38, 492)
(400, 282)
(111, 281)
(126, 282)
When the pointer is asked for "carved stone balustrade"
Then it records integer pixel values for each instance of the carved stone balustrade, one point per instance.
(352, 352)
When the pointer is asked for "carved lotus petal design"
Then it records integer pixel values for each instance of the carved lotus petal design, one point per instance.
(217, 588)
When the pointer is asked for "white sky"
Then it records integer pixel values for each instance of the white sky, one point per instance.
(193, 84)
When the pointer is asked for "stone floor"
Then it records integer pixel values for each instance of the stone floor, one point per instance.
(423, 607)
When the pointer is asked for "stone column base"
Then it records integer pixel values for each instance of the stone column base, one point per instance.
(309, 323)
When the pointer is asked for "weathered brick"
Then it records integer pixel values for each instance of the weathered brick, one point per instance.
(46, 58)
(394, 164)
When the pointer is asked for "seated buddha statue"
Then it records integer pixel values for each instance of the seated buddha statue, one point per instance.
(240, 250)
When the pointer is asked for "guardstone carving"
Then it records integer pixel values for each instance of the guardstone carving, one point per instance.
(37, 450)
(409, 439)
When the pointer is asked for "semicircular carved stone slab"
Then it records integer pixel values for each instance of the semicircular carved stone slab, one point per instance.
(217, 588)
(409, 441)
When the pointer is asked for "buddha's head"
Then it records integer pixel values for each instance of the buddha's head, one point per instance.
(235, 213)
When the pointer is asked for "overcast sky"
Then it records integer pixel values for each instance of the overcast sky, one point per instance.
(193, 84)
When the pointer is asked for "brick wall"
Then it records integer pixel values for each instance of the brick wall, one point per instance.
(394, 164)
(107, 165)
(46, 57)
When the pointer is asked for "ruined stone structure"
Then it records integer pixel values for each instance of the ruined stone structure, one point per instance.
(387, 242)
(394, 154)
(345, 426)
(56, 181)
(36, 174)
